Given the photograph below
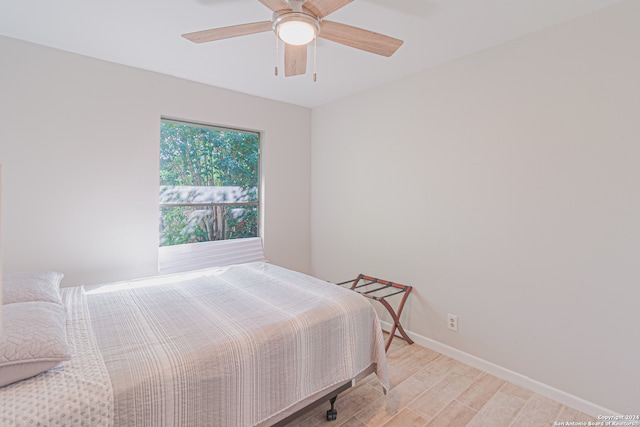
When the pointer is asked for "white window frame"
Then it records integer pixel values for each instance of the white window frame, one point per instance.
(193, 256)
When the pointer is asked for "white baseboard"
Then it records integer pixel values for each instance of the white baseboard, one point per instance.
(513, 377)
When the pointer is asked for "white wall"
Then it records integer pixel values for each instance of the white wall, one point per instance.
(79, 145)
(504, 187)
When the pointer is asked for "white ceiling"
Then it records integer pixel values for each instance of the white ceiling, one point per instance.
(146, 34)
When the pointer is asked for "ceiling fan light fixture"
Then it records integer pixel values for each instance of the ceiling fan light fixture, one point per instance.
(296, 28)
(296, 33)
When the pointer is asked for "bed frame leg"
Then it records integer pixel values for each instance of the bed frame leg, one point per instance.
(332, 414)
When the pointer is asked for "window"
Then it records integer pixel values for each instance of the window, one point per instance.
(209, 181)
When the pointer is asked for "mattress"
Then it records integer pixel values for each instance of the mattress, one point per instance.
(230, 346)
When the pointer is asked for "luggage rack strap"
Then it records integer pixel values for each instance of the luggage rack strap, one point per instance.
(394, 288)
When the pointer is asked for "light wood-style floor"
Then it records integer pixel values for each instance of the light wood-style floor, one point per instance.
(430, 389)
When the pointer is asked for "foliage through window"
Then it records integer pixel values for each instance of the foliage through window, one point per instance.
(208, 183)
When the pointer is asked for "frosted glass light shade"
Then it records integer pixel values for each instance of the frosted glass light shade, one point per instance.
(296, 32)
(296, 28)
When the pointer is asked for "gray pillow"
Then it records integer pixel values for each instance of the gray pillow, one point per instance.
(33, 339)
(31, 286)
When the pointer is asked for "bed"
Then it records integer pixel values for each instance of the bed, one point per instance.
(242, 345)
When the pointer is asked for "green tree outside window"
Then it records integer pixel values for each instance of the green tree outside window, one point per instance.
(208, 183)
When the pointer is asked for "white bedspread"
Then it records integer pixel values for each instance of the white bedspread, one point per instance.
(228, 346)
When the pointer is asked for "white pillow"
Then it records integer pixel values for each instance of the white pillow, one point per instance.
(33, 339)
(31, 286)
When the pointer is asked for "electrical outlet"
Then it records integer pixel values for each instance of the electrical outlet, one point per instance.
(452, 322)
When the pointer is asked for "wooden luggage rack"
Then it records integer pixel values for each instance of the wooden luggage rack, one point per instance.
(380, 290)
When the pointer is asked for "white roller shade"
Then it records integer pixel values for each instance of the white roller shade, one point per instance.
(173, 259)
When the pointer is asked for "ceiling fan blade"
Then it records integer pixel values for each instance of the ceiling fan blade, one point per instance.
(358, 38)
(295, 60)
(275, 5)
(228, 32)
(322, 8)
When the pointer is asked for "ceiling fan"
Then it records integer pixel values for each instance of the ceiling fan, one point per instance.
(297, 23)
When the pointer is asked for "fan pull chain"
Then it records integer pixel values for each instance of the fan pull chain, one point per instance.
(277, 55)
(315, 51)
